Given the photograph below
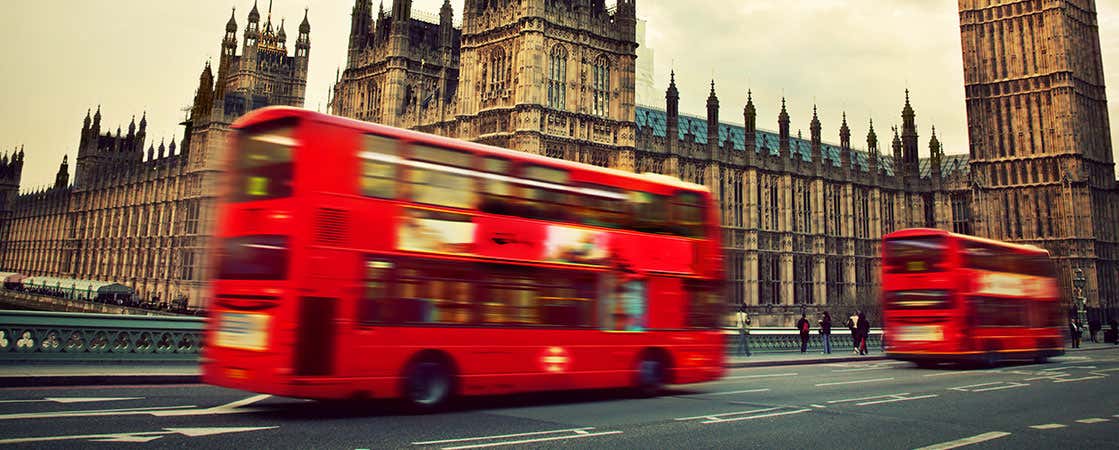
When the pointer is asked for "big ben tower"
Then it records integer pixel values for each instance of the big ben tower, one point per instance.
(1041, 155)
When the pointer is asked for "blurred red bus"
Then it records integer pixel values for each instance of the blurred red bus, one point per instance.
(359, 260)
(951, 297)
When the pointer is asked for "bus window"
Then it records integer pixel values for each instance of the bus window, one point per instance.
(254, 258)
(378, 167)
(687, 214)
(520, 296)
(601, 210)
(497, 196)
(263, 167)
(915, 254)
(376, 305)
(436, 184)
(651, 212)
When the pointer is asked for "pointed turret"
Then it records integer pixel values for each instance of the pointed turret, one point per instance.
(672, 112)
(282, 35)
(359, 29)
(231, 26)
(783, 129)
(909, 138)
(750, 113)
(151, 152)
(171, 148)
(132, 127)
(899, 164)
(935, 156)
(162, 149)
(816, 131)
(713, 118)
(872, 148)
(62, 178)
(303, 42)
(845, 156)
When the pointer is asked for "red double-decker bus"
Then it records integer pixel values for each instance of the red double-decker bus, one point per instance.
(364, 261)
(951, 297)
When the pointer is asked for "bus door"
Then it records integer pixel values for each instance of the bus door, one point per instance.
(315, 341)
(625, 303)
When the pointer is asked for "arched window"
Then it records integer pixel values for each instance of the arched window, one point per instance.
(557, 78)
(498, 72)
(601, 86)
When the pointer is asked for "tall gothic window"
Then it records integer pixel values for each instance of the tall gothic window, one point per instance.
(557, 78)
(602, 87)
(498, 72)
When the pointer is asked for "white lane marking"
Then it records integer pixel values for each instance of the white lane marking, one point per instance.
(817, 406)
(861, 369)
(967, 441)
(91, 413)
(1080, 367)
(1073, 380)
(899, 399)
(158, 411)
(848, 400)
(738, 392)
(984, 387)
(838, 383)
(942, 374)
(1094, 420)
(577, 434)
(1113, 369)
(712, 416)
(73, 399)
(503, 436)
(759, 416)
(235, 407)
(771, 375)
(1048, 426)
(145, 436)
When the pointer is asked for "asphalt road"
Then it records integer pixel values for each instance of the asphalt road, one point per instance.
(1071, 402)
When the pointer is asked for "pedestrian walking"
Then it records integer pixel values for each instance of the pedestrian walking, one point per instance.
(804, 328)
(1074, 332)
(863, 329)
(1094, 327)
(743, 319)
(852, 324)
(825, 332)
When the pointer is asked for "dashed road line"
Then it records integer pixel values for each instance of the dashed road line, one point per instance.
(1094, 420)
(897, 399)
(570, 433)
(967, 441)
(1048, 426)
(839, 383)
(879, 399)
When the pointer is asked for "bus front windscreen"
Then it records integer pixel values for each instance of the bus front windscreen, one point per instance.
(916, 254)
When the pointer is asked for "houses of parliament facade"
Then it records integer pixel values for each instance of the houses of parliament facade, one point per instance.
(802, 217)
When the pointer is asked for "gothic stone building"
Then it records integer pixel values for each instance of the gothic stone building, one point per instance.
(145, 220)
(802, 218)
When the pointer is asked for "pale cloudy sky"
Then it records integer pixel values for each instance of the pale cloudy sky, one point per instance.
(64, 56)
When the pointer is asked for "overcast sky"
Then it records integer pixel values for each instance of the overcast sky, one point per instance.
(64, 56)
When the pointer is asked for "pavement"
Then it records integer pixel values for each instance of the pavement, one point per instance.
(14, 374)
(871, 404)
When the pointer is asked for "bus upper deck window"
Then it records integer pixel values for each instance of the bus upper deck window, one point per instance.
(263, 168)
(379, 164)
(915, 254)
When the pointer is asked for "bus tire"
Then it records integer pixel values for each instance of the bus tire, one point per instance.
(989, 360)
(428, 384)
(652, 374)
(1041, 359)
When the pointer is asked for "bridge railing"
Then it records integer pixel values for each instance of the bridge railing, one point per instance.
(32, 335)
(46, 336)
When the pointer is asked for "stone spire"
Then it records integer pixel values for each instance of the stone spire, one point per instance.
(713, 118)
(815, 130)
(751, 116)
(846, 157)
(783, 129)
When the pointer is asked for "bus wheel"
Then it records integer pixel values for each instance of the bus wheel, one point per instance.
(428, 384)
(651, 375)
(1041, 359)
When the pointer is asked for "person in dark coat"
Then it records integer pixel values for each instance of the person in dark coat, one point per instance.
(863, 331)
(825, 332)
(804, 328)
(1094, 327)
(1074, 332)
